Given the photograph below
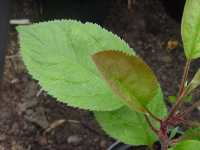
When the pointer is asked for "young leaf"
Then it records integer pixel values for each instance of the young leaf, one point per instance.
(172, 99)
(128, 76)
(191, 29)
(188, 99)
(192, 134)
(57, 54)
(187, 145)
(173, 132)
(195, 82)
(130, 126)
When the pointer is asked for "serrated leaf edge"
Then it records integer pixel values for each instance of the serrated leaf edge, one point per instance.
(31, 74)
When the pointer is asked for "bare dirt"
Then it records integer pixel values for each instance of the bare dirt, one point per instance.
(32, 120)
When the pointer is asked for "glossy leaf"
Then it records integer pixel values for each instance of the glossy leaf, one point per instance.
(57, 54)
(130, 126)
(191, 29)
(187, 145)
(128, 76)
(195, 82)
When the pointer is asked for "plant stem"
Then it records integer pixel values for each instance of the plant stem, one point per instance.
(181, 92)
(152, 115)
(164, 145)
(171, 118)
(184, 78)
(176, 105)
(150, 124)
(163, 135)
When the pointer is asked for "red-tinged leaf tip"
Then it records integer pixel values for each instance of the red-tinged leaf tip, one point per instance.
(128, 76)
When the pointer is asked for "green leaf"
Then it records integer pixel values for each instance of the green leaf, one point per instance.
(188, 99)
(128, 76)
(195, 82)
(172, 99)
(191, 29)
(129, 126)
(192, 134)
(187, 145)
(57, 54)
(173, 132)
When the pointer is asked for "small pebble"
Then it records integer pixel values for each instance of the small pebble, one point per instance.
(74, 139)
(96, 139)
(2, 147)
(166, 59)
(43, 140)
(2, 137)
(103, 143)
(172, 44)
(16, 146)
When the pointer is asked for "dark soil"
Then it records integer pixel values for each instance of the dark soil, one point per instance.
(32, 120)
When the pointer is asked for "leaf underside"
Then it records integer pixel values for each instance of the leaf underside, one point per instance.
(191, 29)
(128, 76)
(57, 54)
(129, 126)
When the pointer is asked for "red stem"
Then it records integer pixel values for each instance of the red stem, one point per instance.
(152, 115)
(172, 118)
(181, 92)
(184, 78)
(150, 125)
(164, 145)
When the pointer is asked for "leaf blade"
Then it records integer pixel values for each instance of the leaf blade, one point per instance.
(129, 126)
(128, 76)
(195, 82)
(191, 29)
(57, 54)
(187, 145)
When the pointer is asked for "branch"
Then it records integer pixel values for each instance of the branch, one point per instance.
(150, 124)
(181, 92)
(152, 115)
(184, 78)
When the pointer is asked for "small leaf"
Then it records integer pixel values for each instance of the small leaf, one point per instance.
(131, 127)
(173, 132)
(191, 29)
(187, 145)
(57, 54)
(172, 99)
(192, 134)
(128, 76)
(188, 99)
(195, 82)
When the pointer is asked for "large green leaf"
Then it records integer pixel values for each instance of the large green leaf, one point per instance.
(187, 145)
(191, 29)
(57, 54)
(128, 76)
(129, 126)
